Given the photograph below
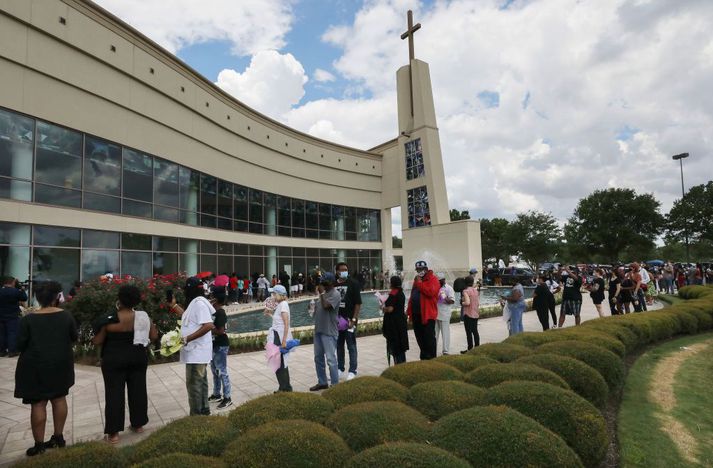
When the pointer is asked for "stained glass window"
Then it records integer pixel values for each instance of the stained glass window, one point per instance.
(414, 160)
(418, 212)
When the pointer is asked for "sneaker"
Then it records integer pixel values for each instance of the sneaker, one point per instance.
(37, 449)
(225, 402)
(56, 441)
(214, 398)
(342, 375)
(318, 387)
(351, 375)
(464, 351)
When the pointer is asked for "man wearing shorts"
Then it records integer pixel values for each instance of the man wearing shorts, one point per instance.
(295, 286)
(571, 295)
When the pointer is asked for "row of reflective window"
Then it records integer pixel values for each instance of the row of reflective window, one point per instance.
(68, 254)
(53, 165)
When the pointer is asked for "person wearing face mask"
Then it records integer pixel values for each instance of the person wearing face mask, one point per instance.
(423, 309)
(349, 308)
(325, 332)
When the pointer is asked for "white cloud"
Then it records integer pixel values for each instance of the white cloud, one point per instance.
(323, 76)
(271, 84)
(249, 25)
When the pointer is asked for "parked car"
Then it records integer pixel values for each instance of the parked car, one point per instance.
(509, 276)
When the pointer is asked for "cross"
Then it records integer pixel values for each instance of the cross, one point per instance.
(409, 33)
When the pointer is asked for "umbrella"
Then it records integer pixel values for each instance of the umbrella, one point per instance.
(203, 274)
(655, 262)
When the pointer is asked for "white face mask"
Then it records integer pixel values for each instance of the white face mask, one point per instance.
(421, 273)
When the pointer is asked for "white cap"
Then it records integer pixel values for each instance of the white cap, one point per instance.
(441, 275)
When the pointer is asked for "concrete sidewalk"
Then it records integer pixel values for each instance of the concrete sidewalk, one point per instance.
(167, 392)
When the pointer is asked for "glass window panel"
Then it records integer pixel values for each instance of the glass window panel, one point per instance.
(135, 208)
(209, 185)
(58, 169)
(131, 241)
(241, 249)
(208, 221)
(350, 236)
(209, 247)
(166, 214)
(311, 234)
(298, 252)
(240, 202)
(284, 231)
(225, 224)
(165, 263)
(56, 236)
(100, 240)
(325, 234)
(190, 189)
(58, 139)
(188, 245)
(102, 166)
(189, 217)
(96, 263)
(350, 219)
(284, 212)
(256, 265)
(12, 233)
(225, 264)
(311, 215)
(138, 175)
(57, 196)
(414, 159)
(242, 266)
(15, 261)
(325, 217)
(298, 214)
(209, 263)
(312, 252)
(138, 264)
(284, 251)
(225, 248)
(165, 182)
(241, 226)
(255, 207)
(61, 265)
(16, 145)
(105, 203)
(165, 244)
(256, 228)
(188, 263)
(225, 199)
(298, 232)
(256, 250)
(15, 189)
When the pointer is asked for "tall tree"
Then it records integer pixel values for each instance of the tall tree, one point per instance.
(494, 238)
(535, 235)
(608, 222)
(692, 215)
(458, 215)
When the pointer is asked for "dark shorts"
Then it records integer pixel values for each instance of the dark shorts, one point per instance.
(571, 307)
(597, 299)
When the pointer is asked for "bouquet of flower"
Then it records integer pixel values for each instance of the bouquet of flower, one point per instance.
(270, 304)
(171, 342)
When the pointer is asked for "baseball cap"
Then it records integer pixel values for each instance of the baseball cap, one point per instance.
(279, 289)
(421, 264)
(193, 282)
(328, 277)
(473, 271)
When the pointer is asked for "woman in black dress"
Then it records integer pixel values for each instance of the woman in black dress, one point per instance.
(541, 299)
(45, 369)
(395, 326)
(124, 360)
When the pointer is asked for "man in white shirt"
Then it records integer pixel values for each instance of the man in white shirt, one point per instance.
(446, 299)
(197, 350)
(262, 286)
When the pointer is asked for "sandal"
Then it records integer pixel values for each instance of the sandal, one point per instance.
(112, 439)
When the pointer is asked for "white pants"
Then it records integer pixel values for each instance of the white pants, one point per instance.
(443, 327)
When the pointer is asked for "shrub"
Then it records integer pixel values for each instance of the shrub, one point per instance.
(173, 460)
(534, 339)
(406, 454)
(287, 443)
(493, 374)
(576, 420)
(582, 379)
(662, 326)
(695, 292)
(280, 406)
(608, 364)
(465, 362)
(363, 389)
(595, 337)
(498, 436)
(629, 338)
(197, 435)
(705, 321)
(365, 425)
(86, 455)
(503, 352)
(686, 321)
(411, 373)
(439, 398)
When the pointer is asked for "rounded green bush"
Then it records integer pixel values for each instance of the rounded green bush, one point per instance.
(630, 339)
(85, 455)
(439, 398)
(595, 337)
(406, 454)
(173, 460)
(493, 374)
(564, 412)
(280, 406)
(503, 352)
(662, 326)
(411, 373)
(705, 321)
(498, 436)
(465, 362)
(363, 389)
(198, 435)
(687, 322)
(534, 339)
(582, 379)
(608, 364)
(365, 425)
(287, 443)
(695, 292)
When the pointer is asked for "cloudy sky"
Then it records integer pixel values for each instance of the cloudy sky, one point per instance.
(539, 102)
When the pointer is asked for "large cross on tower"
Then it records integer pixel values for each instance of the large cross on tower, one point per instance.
(411, 55)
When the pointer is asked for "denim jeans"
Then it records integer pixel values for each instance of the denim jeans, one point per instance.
(325, 345)
(197, 386)
(219, 367)
(516, 319)
(350, 339)
(8, 334)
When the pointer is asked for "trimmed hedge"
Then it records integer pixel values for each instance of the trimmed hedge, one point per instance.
(439, 398)
(287, 443)
(197, 435)
(498, 436)
(465, 362)
(629, 338)
(411, 373)
(534, 339)
(406, 454)
(582, 379)
(608, 364)
(85, 455)
(173, 460)
(695, 292)
(503, 352)
(280, 406)
(364, 389)
(365, 425)
(493, 374)
(600, 338)
(565, 413)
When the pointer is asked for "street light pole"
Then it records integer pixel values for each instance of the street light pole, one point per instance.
(680, 158)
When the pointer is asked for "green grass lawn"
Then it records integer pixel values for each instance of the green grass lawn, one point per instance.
(642, 442)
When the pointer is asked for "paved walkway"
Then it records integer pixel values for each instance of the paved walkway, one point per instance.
(167, 392)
